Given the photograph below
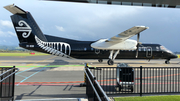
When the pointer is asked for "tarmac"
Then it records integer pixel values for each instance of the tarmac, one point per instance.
(53, 78)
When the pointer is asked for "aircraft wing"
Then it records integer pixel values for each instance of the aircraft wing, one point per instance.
(127, 34)
(150, 3)
(120, 41)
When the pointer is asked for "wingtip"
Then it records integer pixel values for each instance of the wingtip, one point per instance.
(142, 27)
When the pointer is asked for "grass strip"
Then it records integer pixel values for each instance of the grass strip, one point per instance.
(178, 55)
(150, 98)
(22, 54)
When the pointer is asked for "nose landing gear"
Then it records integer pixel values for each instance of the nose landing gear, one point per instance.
(167, 61)
(100, 60)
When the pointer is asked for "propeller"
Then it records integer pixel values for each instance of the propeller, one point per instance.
(137, 49)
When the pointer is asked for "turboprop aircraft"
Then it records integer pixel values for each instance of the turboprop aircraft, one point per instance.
(117, 47)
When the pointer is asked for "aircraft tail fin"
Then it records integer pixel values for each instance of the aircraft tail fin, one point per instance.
(25, 26)
(30, 35)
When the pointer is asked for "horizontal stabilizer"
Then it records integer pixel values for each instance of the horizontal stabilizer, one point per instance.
(14, 9)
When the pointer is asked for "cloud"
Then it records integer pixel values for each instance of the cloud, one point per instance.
(11, 33)
(60, 28)
(4, 41)
(8, 38)
(1, 32)
(6, 23)
(7, 34)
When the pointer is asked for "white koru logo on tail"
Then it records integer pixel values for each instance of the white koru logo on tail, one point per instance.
(26, 30)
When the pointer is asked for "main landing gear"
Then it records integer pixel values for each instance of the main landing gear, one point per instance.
(100, 60)
(167, 61)
(110, 62)
(111, 57)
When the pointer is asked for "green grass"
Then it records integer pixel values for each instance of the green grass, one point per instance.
(22, 54)
(178, 55)
(150, 98)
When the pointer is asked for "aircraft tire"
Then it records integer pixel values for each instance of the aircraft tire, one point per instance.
(110, 62)
(100, 60)
(167, 62)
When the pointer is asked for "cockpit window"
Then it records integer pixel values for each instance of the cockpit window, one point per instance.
(162, 48)
(165, 49)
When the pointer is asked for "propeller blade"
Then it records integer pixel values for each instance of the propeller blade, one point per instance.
(137, 49)
(138, 35)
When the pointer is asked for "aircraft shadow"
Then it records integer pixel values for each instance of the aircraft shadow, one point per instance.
(45, 68)
(64, 93)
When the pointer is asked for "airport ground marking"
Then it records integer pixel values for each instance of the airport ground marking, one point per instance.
(57, 99)
(45, 66)
(30, 76)
(50, 66)
(50, 84)
(22, 76)
(24, 70)
(30, 83)
(66, 83)
(20, 54)
(41, 60)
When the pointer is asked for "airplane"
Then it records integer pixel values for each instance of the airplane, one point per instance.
(117, 47)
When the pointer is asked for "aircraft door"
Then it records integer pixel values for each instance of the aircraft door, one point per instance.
(149, 52)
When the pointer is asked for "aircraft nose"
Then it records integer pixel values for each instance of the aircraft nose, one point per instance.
(174, 56)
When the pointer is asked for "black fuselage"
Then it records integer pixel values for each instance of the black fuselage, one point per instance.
(83, 50)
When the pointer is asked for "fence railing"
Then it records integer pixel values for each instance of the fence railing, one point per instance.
(93, 89)
(7, 79)
(138, 80)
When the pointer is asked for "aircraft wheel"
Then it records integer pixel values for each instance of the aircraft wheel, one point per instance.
(110, 62)
(167, 62)
(100, 60)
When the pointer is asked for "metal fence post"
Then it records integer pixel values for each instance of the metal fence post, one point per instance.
(86, 66)
(1, 84)
(94, 94)
(140, 80)
(84, 84)
(13, 83)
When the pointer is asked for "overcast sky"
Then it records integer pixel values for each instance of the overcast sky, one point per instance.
(95, 21)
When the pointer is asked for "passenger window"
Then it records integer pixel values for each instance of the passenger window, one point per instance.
(85, 49)
(157, 48)
(92, 49)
